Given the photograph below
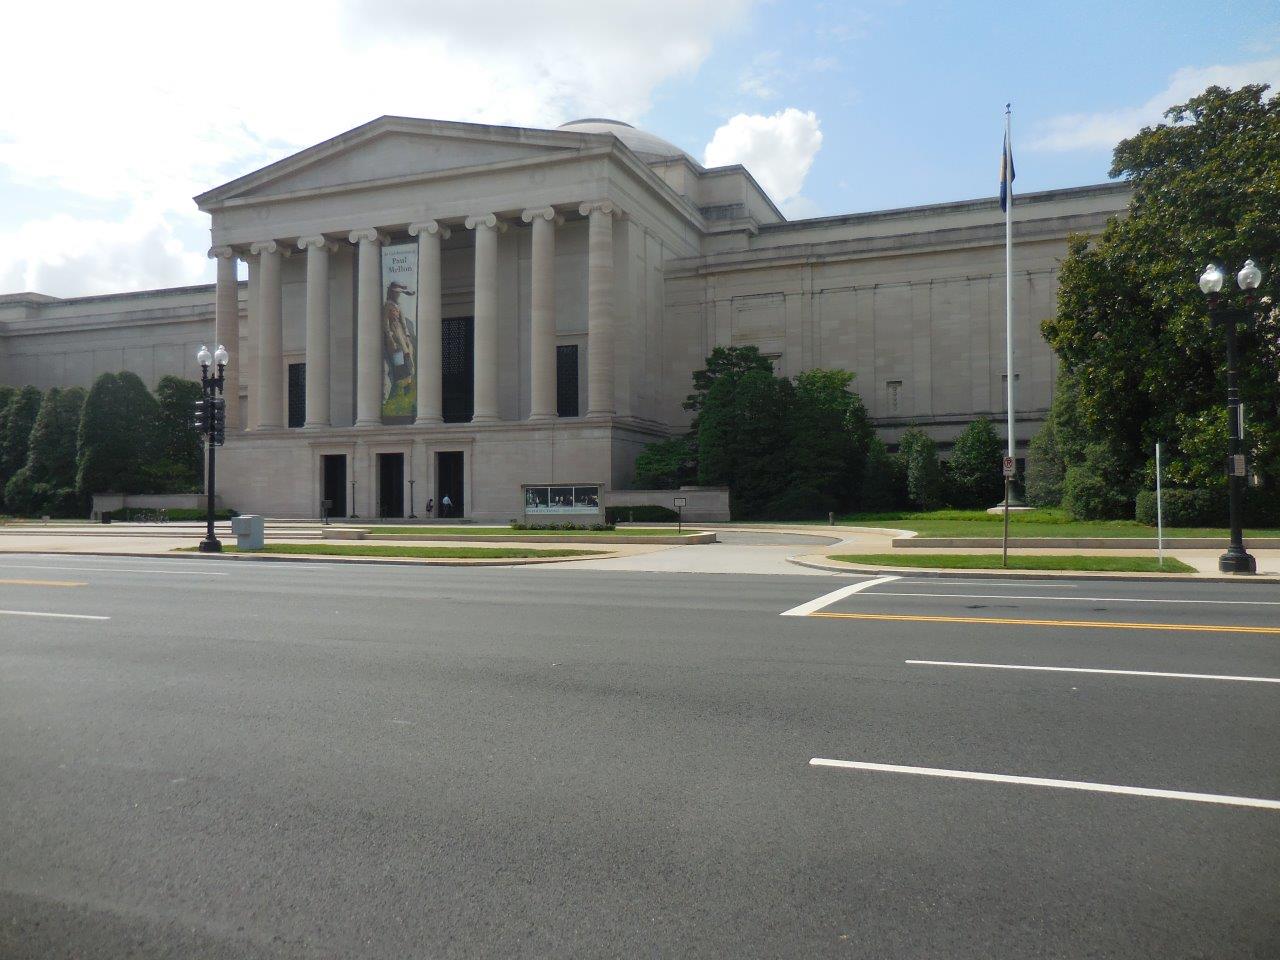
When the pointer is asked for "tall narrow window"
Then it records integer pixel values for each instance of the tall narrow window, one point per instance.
(567, 380)
(457, 337)
(297, 394)
(893, 391)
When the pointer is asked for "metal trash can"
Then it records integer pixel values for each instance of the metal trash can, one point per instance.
(249, 532)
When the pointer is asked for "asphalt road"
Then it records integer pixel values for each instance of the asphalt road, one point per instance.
(256, 759)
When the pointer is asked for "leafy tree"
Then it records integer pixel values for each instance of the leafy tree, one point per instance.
(975, 467)
(46, 483)
(118, 437)
(743, 437)
(829, 439)
(178, 467)
(1131, 328)
(1045, 468)
(725, 363)
(924, 471)
(666, 464)
(884, 481)
(16, 421)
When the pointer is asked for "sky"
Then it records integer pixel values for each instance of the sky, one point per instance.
(116, 114)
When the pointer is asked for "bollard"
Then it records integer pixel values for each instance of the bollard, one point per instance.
(248, 531)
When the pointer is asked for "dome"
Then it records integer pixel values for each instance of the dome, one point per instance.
(642, 143)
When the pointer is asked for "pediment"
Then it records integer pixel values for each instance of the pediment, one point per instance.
(394, 148)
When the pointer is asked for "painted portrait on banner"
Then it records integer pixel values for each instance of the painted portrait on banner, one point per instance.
(399, 332)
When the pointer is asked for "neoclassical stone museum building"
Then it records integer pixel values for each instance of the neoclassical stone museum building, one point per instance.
(475, 308)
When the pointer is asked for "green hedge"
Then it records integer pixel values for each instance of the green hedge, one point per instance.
(175, 515)
(567, 525)
(1208, 508)
(648, 513)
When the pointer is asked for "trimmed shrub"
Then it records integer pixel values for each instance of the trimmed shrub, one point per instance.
(46, 482)
(1095, 489)
(552, 526)
(645, 513)
(924, 470)
(975, 467)
(800, 503)
(1208, 508)
(1045, 468)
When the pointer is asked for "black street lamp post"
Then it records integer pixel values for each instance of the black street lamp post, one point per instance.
(1236, 559)
(211, 422)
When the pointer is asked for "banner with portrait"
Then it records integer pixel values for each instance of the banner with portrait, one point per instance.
(399, 332)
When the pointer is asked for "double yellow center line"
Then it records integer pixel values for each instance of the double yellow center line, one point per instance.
(1011, 622)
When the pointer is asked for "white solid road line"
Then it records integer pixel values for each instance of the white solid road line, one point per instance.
(181, 571)
(1042, 782)
(61, 616)
(1125, 673)
(1011, 596)
(829, 598)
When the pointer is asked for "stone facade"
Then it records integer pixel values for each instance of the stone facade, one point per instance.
(595, 236)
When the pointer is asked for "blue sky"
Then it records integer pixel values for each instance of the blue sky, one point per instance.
(836, 107)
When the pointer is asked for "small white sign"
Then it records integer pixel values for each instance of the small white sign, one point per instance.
(1008, 467)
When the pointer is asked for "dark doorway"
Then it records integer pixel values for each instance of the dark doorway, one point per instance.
(457, 369)
(449, 484)
(391, 484)
(335, 483)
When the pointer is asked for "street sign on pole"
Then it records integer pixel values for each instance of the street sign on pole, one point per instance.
(1008, 468)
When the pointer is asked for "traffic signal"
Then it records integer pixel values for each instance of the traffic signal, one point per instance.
(201, 419)
(218, 422)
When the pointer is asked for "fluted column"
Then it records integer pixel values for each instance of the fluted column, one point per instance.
(318, 249)
(430, 314)
(487, 228)
(600, 320)
(226, 328)
(270, 390)
(542, 314)
(368, 328)
(250, 359)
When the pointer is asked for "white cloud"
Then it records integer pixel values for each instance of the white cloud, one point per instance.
(153, 101)
(778, 149)
(1103, 130)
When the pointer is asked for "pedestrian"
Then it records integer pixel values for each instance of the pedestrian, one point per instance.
(431, 506)
(446, 506)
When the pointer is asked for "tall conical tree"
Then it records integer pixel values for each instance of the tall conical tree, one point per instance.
(46, 483)
(16, 421)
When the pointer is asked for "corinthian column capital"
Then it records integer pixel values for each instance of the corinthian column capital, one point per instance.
(431, 228)
(367, 233)
(318, 241)
(544, 213)
(597, 206)
(487, 220)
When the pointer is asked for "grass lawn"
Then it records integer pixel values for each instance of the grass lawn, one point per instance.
(396, 550)
(427, 531)
(1032, 523)
(991, 561)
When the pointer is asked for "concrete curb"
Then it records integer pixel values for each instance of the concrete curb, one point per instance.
(518, 537)
(1086, 543)
(948, 574)
(313, 558)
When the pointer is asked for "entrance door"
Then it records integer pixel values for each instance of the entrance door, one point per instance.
(449, 484)
(391, 484)
(335, 482)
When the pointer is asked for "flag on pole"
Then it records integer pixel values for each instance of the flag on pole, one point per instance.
(1006, 170)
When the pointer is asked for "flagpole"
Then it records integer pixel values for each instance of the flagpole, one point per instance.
(1006, 164)
(1008, 291)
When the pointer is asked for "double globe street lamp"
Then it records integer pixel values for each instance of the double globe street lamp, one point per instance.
(1236, 559)
(211, 423)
